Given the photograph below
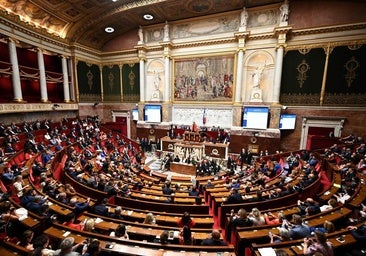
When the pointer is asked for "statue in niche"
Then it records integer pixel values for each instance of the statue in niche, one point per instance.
(257, 75)
(141, 35)
(284, 13)
(243, 20)
(156, 95)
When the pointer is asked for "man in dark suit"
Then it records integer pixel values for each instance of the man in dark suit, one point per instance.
(102, 209)
(234, 197)
(214, 239)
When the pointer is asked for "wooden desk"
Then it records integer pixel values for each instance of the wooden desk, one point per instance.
(217, 150)
(182, 168)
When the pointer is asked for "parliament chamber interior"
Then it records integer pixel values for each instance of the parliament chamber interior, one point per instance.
(198, 127)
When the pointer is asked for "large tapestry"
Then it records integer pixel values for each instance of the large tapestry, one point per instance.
(302, 76)
(346, 76)
(89, 83)
(131, 82)
(204, 79)
(111, 83)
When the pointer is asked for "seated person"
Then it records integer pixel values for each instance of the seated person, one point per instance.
(120, 232)
(102, 209)
(298, 229)
(241, 219)
(70, 222)
(186, 220)
(185, 236)
(163, 238)
(214, 239)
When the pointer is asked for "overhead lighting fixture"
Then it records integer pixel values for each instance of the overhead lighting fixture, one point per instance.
(109, 29)
(148, 17)
(114, 0)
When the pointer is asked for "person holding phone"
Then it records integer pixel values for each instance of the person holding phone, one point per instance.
(320, 244)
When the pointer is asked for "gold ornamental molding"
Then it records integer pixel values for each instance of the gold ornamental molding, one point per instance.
(36, 107)
(325, 45)
(27, 29)
(328, 29)
(261, 36)
(204, 43)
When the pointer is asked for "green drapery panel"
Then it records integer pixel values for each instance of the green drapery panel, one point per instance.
(346, 77)
(131, 82)
(111, 83)
(302, 76)
(89, 83)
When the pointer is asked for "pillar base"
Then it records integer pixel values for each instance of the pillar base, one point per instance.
(19, 101)
(45, 101)
(67, 101)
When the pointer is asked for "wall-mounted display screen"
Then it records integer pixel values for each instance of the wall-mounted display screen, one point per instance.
(135, 114)
(287, 121)
(152, 113)
(255, 117)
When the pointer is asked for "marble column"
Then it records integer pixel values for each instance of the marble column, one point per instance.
(239, 76)
(17, 89)
(277, 75)
(42, 76)
(167, 79)
(65, 76)
(142, 80)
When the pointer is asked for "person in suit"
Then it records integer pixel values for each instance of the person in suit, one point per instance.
(234, 197)
(214, 239)
(102, 209)
(241, 219)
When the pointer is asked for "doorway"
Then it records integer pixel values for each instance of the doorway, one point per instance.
(320, 127)
(122, 118)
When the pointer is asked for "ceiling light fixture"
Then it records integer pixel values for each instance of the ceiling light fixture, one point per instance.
(109, 29)
(114, 0)
(148, 17)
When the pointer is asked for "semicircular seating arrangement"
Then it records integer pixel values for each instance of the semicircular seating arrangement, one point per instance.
(98, 176)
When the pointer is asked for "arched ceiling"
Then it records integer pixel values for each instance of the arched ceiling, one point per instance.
(84, 21)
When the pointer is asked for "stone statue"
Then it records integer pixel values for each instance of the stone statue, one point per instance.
(284, 13)
(257, 77)
(166, 31)
(141, 35)
(156, 94)
(243, 20)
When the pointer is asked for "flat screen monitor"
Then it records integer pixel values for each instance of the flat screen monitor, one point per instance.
(135, 114)
(255, 117)
(152, 113)
(287, 121)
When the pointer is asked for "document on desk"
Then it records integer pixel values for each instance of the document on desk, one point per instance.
(66, 234)
(130, 212)
(98, 220)
(267, 251)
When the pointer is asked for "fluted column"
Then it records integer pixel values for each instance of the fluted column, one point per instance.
(278, 75)
(239, 76)
(281, 33)
(142, 80)
(65, 76)
(17, 89)
(42, 75)
(167, 79)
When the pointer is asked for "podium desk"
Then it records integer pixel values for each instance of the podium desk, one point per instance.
(182, 168)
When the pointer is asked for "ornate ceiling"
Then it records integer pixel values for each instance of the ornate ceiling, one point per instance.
(84, 21)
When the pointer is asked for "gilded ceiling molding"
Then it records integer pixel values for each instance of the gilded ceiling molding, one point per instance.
(261, 36)
(329, 29)
(203, 43)
(41, 34)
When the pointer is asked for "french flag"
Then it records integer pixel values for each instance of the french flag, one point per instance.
(204, 117)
